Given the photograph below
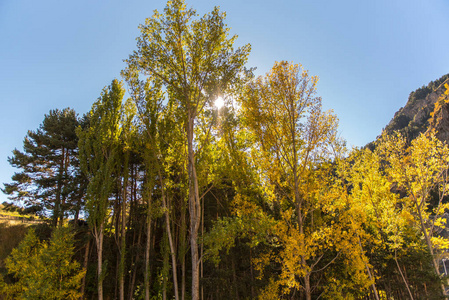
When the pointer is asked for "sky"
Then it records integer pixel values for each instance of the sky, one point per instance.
(369, 55)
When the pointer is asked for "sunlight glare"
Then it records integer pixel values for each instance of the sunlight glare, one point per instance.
(219, 102)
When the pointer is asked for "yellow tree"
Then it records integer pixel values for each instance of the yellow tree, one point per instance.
(293, 140)
(377, 208)
(420, 170)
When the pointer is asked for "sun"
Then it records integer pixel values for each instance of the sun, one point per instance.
(219, 102)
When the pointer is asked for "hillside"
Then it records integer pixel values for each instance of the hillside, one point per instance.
(13, 215)
(417, 115)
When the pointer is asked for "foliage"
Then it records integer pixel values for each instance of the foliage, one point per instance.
(44, 270)
(50, 178)
(260, 193)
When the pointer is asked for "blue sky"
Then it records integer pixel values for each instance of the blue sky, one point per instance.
(369, 55)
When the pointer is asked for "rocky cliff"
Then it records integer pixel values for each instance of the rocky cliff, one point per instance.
(427, 109)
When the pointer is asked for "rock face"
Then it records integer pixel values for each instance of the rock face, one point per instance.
(439, 121)
(426, 109)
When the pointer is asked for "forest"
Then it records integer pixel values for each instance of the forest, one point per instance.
(191, 178)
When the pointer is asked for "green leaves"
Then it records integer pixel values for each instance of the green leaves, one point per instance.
(44, 270)
(99, 149)
(193, 58)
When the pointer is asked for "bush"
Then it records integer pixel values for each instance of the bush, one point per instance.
(44, 270)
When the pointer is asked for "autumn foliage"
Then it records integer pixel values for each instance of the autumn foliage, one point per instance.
(258, 199)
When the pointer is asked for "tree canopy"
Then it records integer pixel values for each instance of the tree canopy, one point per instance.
(156, 193)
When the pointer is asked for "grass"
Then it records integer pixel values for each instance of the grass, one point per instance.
(11, 218)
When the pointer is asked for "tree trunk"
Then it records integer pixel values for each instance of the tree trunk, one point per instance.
(307, 288)
(64, 165)
(133, 277)
(86, 261)
(402, 275)
(376, 294)
(147, 250)
(123, 232)
(172, 247)
(57, 208)
(99, 241)
(429, 242)
(182, 251)
(195, 210)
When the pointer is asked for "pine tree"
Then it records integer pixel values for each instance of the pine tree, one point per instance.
(50, 178)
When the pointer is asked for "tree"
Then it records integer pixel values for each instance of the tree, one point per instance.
(388, 232)
(44, 270)
(99, 150)
(276, 107)
(382, 222)
(288, 208)
(420, 170)
(127, 138)
(195, 60)
(50, 176)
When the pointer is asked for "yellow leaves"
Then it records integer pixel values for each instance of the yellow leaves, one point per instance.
(242, 206)
(440, 243)
(440, 222)
(270, 292)
(261, 262)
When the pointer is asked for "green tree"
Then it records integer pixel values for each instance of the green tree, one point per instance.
(99, 154)
(195, 60)
(127, 138)
(50, 176)
(44, 270)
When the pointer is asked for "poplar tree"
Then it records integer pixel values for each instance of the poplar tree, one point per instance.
(420, 170)
(195, 60)
(99, 150)
(293, 141)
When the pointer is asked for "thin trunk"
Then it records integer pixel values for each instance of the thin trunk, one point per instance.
(133, 259)
(77, 215)
(165, 269)
(202, 248)
(99, 240)
(172, 250)
(123, 232)
(194, 208)
(85, 262)
(133, 277)
(376, 294)
(183, 280)
(64, 165)
(251, 272)
(234, 277)
(307, 287)
(402, 275)
(169, 235)
(117, 276)
(57, 209)
(147, 249)
(182, 251)
(429, 243)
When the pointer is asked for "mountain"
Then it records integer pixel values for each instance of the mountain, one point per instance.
(427, 109)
